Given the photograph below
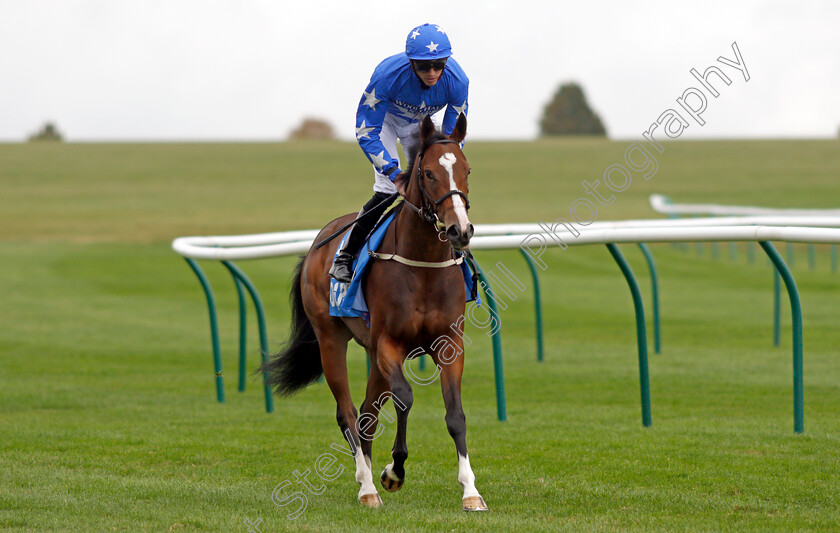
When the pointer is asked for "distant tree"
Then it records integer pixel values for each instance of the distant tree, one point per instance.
(313, 128)
(47, 133)
(568, 113)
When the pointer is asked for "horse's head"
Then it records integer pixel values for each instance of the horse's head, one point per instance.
(441, 177)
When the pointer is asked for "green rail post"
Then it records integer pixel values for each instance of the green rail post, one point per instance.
(243, 332)
(234, 270)
(733, 252)
(641, 331)
(421, 366)
(812, 256)
(777, 308)
(715, 251)
(501, 406)
(214, 329)
(796, 316)
(751, 252)
(537, 304)
(791, 253)
(654, 287)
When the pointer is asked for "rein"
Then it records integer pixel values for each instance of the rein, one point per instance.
(427, 210)
(340, 230)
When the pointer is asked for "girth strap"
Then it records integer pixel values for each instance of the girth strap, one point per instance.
(465, 255)
(412, 262)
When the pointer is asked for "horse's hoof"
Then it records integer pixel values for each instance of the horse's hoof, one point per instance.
(474, 503)
(371, 500)
(390, 484)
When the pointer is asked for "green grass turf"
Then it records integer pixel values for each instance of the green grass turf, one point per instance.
(108, 418)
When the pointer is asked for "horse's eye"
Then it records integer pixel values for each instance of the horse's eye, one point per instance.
(429, 175)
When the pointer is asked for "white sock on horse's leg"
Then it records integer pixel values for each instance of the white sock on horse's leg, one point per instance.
(363, 474)
(466, 476)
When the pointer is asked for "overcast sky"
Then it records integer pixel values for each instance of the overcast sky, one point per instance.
(252, 69)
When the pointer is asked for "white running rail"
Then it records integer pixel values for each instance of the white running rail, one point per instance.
(500, 236)
(663, 204)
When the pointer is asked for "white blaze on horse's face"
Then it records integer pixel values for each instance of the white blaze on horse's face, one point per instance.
(447, 161)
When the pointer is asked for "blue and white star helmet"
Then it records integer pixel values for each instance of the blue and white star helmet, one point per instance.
(428, 41)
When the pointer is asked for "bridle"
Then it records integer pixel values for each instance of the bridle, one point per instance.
(428, 211)
(428, 205)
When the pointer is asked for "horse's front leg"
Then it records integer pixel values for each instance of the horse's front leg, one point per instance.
(456, 423)
(389, 359)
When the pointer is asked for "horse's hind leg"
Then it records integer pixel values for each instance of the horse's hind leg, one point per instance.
(334, 361)
(456, 423)
(389, 359)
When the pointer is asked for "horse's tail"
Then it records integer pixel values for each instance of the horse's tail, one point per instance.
(298, 364)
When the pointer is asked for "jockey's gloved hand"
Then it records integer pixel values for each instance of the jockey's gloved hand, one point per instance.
(399, 178)
(401, 182)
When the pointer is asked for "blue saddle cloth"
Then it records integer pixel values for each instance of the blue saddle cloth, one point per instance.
(349, 299)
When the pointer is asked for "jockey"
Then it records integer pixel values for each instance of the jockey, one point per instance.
(403, 89)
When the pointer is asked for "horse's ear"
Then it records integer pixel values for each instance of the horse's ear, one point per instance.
(460, 130)
(427, 128)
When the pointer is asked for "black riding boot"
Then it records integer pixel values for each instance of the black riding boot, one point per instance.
(370, 213)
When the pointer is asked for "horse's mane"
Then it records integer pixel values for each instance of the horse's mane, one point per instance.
(413, 147)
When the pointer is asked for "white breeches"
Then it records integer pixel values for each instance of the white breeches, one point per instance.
(392, 130)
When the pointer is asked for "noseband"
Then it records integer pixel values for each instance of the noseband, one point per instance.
(428, 207)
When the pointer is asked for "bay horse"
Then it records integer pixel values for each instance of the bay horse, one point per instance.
(414, 308)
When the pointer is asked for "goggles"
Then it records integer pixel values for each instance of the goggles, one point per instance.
(425, 65)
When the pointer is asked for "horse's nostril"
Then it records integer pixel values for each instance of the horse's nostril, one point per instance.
(470, 231)
(453, 232)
